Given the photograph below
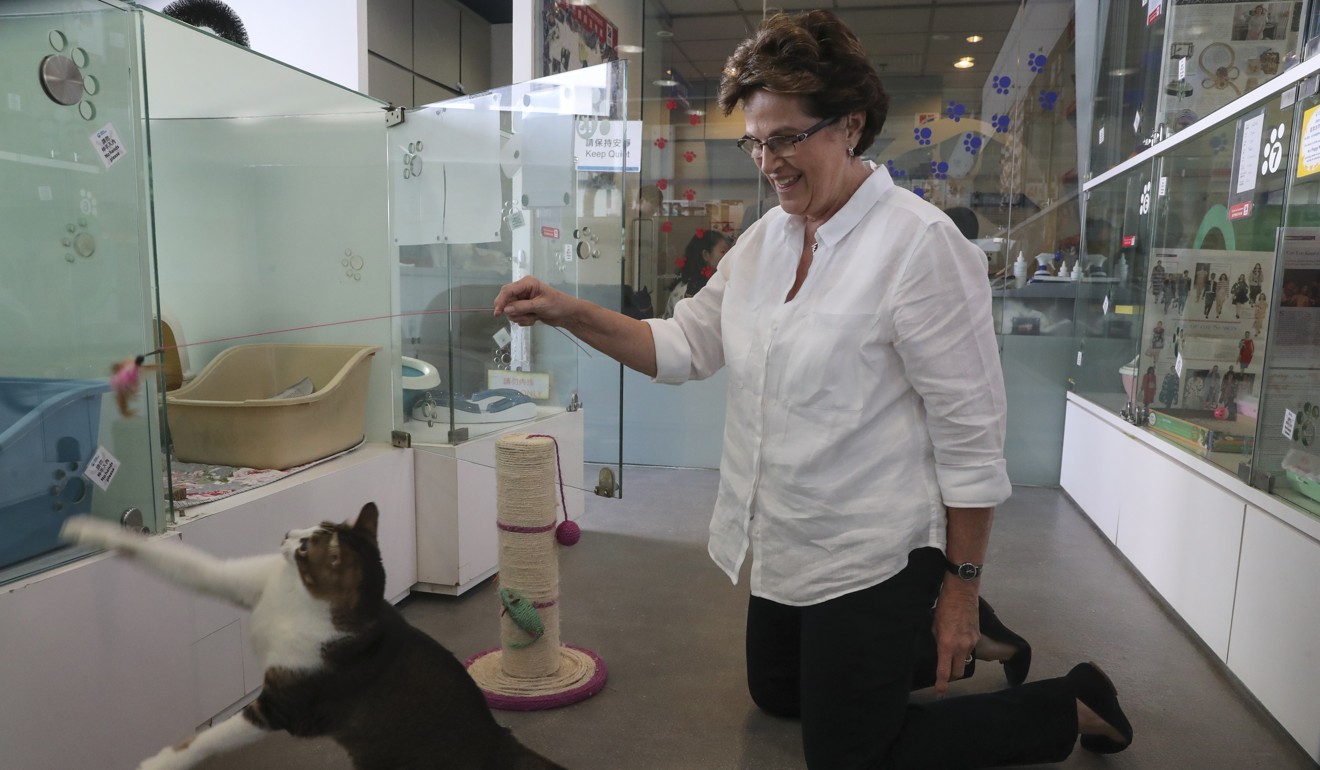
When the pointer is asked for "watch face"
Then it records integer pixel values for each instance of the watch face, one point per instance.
(968, 571)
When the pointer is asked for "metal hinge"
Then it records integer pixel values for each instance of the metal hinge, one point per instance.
(393, 116)
(401, 439)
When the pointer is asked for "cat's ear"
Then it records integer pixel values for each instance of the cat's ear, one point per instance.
(367, 520)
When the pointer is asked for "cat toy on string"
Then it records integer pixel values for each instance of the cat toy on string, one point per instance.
(126, 374)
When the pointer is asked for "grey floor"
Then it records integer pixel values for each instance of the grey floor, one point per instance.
(641, 592)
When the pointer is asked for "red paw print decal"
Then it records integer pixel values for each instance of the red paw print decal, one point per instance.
(663, 184)
(708, 271)
(689, 193)
(694, 120)
(661, 142)
(689, 156)
(671, 104)
(666, 226)
(700, 233)
(680, 263)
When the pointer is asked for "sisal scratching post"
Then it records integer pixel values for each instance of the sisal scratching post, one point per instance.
(531, 669)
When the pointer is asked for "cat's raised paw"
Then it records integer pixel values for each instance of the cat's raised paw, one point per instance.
(169, 758)
(96, 533)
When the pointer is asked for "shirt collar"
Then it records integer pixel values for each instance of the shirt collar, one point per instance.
(861, 202)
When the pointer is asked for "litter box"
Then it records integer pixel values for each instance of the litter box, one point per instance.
(48, 433)
(228, 414)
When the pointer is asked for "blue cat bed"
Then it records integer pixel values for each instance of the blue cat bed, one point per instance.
(48, 433)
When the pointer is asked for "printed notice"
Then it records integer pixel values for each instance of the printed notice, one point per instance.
(1251, 131)
(107, 144)
(1308, 160)
(102, 468)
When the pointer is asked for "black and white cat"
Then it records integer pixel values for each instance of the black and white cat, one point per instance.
(339, 660)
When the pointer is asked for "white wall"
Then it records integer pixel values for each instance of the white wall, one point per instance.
(324, 37)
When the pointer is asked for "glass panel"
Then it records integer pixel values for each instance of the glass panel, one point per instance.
(522, 180)
(73, 298)
(1129, 87)
(273, 266)
(1218, 51)
(1110, 306)
(1286, 408)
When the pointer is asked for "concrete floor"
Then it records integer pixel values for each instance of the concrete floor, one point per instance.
(641, 592)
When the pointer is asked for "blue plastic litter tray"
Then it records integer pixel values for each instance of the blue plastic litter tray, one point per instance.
(48, 434)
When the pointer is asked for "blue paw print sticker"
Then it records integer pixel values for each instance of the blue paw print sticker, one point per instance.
(956, 111)
(1002, 83)
(922, 135)
(1047, 99)
(939, 170)
(972, 143)
(894, 172)
(1036, 61)
(1000, 122)
(1218, 143)
(920, 192)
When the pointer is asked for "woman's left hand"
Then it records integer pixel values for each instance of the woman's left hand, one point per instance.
(957, 630)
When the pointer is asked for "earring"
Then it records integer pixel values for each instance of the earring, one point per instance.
(850, 152)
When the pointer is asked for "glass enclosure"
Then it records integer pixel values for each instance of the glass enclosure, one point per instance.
(1206, 336)
(517, 181)
(74, 297)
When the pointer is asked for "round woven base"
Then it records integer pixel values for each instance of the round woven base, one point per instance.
(581, 675)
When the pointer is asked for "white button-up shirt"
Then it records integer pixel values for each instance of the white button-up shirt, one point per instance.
(857, 411)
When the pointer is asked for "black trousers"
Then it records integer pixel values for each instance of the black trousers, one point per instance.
(845, 667)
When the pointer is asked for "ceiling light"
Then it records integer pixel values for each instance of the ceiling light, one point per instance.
(629, 48)
(974, 38)
(667, 81)
(965, 62)
(663, 33)
(939, 36)
(1123, 72)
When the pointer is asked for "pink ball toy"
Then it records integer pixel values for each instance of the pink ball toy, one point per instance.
(568, 533)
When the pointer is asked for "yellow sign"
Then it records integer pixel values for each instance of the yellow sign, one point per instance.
(1308, 159)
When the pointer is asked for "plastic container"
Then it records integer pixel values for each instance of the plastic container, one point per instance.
(48, 433)
(227, 416)
(1303, 472)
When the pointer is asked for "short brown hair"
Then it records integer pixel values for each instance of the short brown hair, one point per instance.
(813, 55)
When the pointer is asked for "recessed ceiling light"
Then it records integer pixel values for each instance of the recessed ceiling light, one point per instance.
(965, 62)
(663, 33)
(974, 38)
(939, 36)
(629, 48)
(1123, 72)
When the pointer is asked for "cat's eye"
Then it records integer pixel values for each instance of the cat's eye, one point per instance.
(302, 545)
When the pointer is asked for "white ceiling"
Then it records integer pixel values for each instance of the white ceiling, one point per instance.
(906, 38)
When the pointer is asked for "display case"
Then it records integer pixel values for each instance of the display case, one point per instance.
(75, 296)
(487, 189)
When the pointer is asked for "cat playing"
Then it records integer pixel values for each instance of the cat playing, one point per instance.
(339, 660)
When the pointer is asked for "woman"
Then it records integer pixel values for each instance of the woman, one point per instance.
(1240, 295)
(863, 449)
(1221, 294)
(1254, 282)
(702, 255)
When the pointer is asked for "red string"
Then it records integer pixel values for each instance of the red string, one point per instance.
(559, 467)
(321, 325)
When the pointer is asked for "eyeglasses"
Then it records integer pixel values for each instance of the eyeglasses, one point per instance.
(782, 146)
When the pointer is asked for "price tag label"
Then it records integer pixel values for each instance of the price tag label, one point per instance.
(102, 468)
(1182, 69)
(503, 338)
(1289, 423)
(1177, 366)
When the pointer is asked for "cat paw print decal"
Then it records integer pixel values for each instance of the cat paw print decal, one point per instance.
(661, 142)
(671, 104)
(920, 192)
(352, 264)
(1048, 100)
(955, 111)
(894, 172)
(1144, 208)
(922, 136)
(1273, 150)
(694, 120)
(1037, 62)
(689, 156)
(1002, 83)
(689, 193)
(666, 226)
(87, 203)
(1000, 122)
(972, 143)
(663, 184)
(939, 170)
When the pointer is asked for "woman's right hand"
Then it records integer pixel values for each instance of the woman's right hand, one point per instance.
(529, 300)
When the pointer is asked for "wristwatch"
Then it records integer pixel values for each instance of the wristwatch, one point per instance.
(966, 570)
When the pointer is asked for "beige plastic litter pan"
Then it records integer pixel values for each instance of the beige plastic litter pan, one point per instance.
(227, 415)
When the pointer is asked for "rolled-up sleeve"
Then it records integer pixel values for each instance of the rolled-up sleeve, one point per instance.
(945, 337)
(690, 345)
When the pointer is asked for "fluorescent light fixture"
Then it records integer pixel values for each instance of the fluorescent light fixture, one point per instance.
(974, 38)
(965, 62)
(663, 33)
(629, 48)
